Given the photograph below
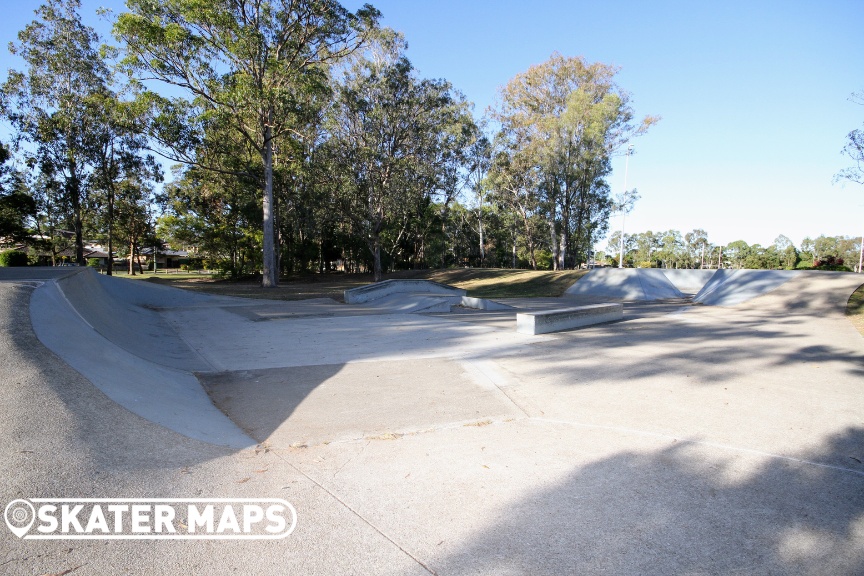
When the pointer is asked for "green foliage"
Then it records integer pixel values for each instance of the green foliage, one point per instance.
(560, 122)
(93, 262)
(54, 104)
(854, 149)
(258, 70)
(13, 258)
(544, 259)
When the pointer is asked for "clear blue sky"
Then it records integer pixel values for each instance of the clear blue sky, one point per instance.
(753, 95)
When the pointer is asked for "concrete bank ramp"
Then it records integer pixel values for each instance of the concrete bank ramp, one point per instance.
(642, 284)
(379, 290)
(689, 281)
(125, 313)
(416, 297)
(731, 287)
(131, 354)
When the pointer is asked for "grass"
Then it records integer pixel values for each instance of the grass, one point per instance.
(855, 309)
(505, 283)
(479, 282)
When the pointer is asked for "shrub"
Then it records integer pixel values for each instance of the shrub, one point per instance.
(543, 258)
(13, 258)
(830, 263)
(647, 264)
(93, 262)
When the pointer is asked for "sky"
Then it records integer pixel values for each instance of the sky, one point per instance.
(753, 95)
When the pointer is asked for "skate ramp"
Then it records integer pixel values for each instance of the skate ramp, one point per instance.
(124, 312)
(639, 284)
(732, 287)
(415, 297)
(167, 396)
(379, 290)
(689, 281)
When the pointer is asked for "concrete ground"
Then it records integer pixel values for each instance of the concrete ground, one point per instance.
(685, 439)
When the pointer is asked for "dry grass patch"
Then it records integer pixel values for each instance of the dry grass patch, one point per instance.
(855, 309)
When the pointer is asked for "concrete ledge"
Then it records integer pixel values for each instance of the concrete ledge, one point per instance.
(483, 304)
(387, 287)
(566, 318)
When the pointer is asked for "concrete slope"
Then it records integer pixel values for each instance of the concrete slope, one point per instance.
(626, 284)
(169, 397)
(732, 287)
(402, 303)
(808, 292)
(380, 290)
(689, 281)
(115, 308)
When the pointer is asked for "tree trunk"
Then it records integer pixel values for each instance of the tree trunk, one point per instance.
(270, 277)
(75, 197)
(482, 245)
(553, 243)
(375, 247)
(513, 259)
(138, 257)
(132, 257)
(110, 262)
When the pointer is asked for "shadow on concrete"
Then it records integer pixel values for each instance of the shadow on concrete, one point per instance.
(676, 511)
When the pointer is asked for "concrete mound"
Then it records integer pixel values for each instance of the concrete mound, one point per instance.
(640, 284)
(731, 287)
(416, 297)
(380, 290)
(689, 281)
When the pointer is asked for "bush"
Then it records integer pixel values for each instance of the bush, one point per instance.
(647, 264)
(831, 263)
(543, 258)
(13, 258)
(93, 262)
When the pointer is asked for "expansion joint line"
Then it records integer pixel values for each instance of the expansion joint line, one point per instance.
(358, 515)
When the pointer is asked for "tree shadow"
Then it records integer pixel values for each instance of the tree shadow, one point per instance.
(682, 511)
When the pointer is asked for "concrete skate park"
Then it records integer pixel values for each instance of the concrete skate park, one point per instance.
(717, 428)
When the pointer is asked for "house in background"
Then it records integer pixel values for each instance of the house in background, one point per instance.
(165, 258)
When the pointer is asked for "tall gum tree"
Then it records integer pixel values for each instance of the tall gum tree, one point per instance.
(569, 118)
(248, 62)
(53, 105)
(395, 142)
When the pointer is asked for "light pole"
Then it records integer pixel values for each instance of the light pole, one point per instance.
(624, 206)
(861, 255)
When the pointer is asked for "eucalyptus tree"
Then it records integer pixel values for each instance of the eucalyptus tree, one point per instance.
(118, 156)
(697, 247)
(53, 105)
(788, 254)
(213, 203)
(479, 162)
(249, 63)
(515, 180)
(571, 118)
(17, 207)
(394, 146)
(854, 149)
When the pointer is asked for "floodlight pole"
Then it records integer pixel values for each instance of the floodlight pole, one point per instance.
(624, 206)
